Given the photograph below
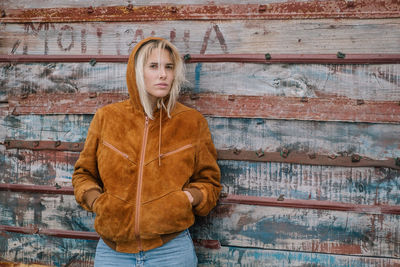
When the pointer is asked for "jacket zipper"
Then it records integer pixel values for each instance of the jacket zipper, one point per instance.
(115, 149)
(139, 186)
(176, 151)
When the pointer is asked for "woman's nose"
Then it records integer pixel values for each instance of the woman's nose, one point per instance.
(162, 73)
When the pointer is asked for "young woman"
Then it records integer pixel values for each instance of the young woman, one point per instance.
(148, 166)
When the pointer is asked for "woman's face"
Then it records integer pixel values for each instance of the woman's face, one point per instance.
(158, 74)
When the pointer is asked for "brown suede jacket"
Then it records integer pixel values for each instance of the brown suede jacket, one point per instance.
(134, 179)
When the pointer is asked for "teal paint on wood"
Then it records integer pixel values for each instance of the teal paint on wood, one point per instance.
(367, 82)
(376, 141)
(291, 229)
(230, 256)
(47, 250)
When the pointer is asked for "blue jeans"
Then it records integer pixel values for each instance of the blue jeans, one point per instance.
(177, 252)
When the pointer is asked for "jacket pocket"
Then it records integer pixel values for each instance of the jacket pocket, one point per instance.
(176, 151)
(114, 218)
(168, 214)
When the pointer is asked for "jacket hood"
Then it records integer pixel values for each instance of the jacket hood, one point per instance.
(131, 75)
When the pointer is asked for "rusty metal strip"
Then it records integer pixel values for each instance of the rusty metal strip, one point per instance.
(287, 156)
(363, 9)
(229, 106)
(309, 204)
(338, 58)
(284, 156)
(237, 199)
(86, 235)
(51, 232)
(40, 189)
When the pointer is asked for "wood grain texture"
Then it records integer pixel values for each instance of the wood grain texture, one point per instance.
(200, 37)
(301, 230)
(252, 257)
(376, 141)
(45, 250)
(378, 82)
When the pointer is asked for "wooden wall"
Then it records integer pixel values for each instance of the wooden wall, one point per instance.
(302, 99)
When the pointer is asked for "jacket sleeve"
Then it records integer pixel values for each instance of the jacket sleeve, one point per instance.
(85, 179)
(206, 177)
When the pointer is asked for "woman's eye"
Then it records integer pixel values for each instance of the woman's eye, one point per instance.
(153, 66)
(170, 67)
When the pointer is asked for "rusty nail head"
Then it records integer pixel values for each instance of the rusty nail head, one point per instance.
(340, 55)
(262, 8)
(92, 62)
(284, 153)
(3, 13)
(268, 56)
(194, 96)
(57, 186)
(130, 6)
(304, 99)
(332, 156)
(35, 143)
(360, 101)
(174, 9)
(223, 194)
(355, 158)
(260, 153)
(350, 3)
(186, 57)
(231, 98)
(236, 151)
(281, 197)
(312, 155)
(397, 161)
(92, 95)
(57, 143)
(76, 145)
(24, 96)
(90, 9)
(7, 143)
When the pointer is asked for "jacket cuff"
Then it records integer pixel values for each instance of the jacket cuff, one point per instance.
(196, 194)
(90, 196)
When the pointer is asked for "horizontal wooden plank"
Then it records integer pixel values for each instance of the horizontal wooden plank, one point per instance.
(356, 186)
(46, 250)
(339, 58)
(303, 36)
(232, 106)
(231, 198)
(375, 141)
(253, 257)
(283, 10)
(354, 82)
(333, 232)
(251, 226)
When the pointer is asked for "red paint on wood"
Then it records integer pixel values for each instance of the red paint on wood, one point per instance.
(214, 58)
(310, 204)
(51, 232)
(364, 9)
(234, 106)
(40, 189)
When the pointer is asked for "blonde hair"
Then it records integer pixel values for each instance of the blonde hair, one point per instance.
(179, 77)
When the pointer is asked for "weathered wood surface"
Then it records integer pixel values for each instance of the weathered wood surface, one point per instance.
(285, 10)
(376, 141)
(47, 250)
(76, 3)
(301, 230)
(237, 225)
(367, 82)
(366, 186)
(231, 256)
(200, 37)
